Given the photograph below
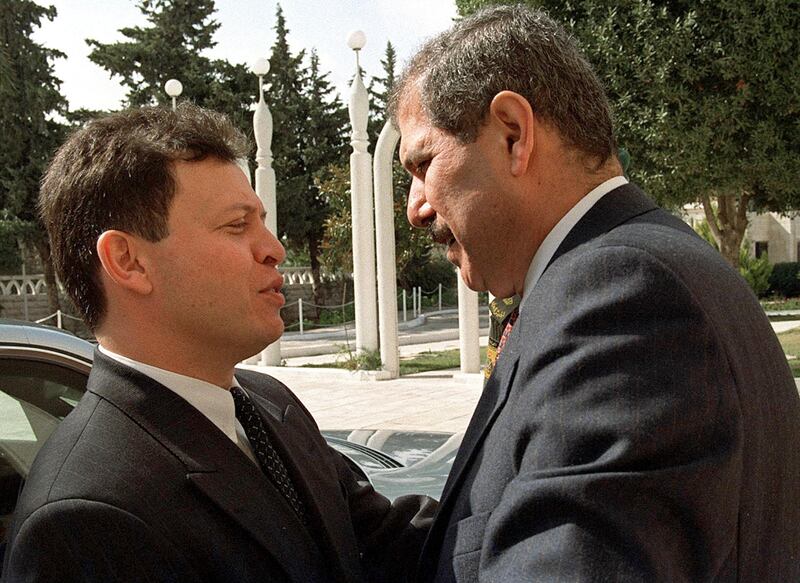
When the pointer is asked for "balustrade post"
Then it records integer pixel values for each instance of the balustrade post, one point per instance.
(405, 315)
(440, 297)
(300, 313)
(24, 293)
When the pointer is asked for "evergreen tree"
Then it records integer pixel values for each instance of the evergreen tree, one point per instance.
(706, 98)
(309, 136)
(379, 91)
(324, 144)
(172, 46)
(29, 100)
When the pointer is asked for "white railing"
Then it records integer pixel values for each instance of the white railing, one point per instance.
(33, 285)
(303, 276)
(17, 285)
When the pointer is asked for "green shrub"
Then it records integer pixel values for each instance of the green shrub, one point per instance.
(785, 279)
(755, 271)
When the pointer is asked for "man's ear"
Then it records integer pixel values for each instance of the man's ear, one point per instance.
(120, 255)
(515, 116)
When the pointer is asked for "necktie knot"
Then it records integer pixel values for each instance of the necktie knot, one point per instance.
(242, 404)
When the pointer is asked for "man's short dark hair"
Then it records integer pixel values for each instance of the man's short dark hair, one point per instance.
(117, 173)
(513, 48)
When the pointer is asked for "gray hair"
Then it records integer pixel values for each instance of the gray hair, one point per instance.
(514, 48)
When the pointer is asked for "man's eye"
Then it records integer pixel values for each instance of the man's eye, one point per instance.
(422, 167)
(237, 225)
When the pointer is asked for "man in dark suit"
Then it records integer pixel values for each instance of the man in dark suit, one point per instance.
(641, 423)
(172, 468)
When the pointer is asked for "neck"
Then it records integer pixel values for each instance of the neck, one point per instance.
(169, 355)
(551, 192)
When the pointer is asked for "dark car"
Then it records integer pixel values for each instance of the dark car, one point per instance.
(43, 373)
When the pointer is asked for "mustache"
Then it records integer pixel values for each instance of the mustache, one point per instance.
(440, 233)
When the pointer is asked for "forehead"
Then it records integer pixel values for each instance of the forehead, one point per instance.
(211, 185)
(416, 130)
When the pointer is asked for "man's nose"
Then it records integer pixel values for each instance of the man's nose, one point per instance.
(269, 249)
(419, 212)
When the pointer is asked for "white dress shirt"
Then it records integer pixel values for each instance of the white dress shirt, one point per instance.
(557, 235)
(212, 401)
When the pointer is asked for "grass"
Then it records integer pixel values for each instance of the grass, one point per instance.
(777, 305)
(423, 362)
(790, 340)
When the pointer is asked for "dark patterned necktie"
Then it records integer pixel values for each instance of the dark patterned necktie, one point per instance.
(268, 458)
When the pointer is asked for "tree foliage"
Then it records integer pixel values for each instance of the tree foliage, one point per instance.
(29, 101)
(172, 46)
(705, 95)
(309, 137)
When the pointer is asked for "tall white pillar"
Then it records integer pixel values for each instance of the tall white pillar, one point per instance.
(361, 206)
(385, 246)
(468, 324)
(265, 180)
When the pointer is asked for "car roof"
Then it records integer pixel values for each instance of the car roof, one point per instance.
(29, 334)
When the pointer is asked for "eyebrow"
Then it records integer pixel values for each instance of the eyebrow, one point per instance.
(248, 208)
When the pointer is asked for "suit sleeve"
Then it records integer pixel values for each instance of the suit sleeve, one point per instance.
(390, 534)
(75, 541)
(627, 449)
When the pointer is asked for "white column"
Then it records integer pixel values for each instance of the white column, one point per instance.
(265, 180)
(468, 328)
(361, 207)
(385, 246)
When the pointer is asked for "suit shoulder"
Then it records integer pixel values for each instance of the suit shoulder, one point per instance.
(269, 387)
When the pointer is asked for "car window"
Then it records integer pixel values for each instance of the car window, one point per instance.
(34, 397)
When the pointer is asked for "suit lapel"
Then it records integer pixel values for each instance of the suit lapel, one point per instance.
(214, 464)
(493, 399)
(305, 454)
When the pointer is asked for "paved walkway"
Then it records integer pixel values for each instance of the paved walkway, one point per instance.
(338, 399)
(434, 401)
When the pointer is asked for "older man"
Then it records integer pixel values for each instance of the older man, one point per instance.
(172, 468)
(641, 423)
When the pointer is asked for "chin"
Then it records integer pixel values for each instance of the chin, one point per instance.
(475, 283)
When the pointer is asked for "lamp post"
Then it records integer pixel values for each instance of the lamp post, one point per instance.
(174, 88)
(361, 207)
(265, 179)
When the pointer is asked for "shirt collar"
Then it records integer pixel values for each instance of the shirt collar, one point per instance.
(557, 235)
(212, 401)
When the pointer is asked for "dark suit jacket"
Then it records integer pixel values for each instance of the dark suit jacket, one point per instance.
(137, 485)
(642, 423)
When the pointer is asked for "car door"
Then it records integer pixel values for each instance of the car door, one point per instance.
(38, 388)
